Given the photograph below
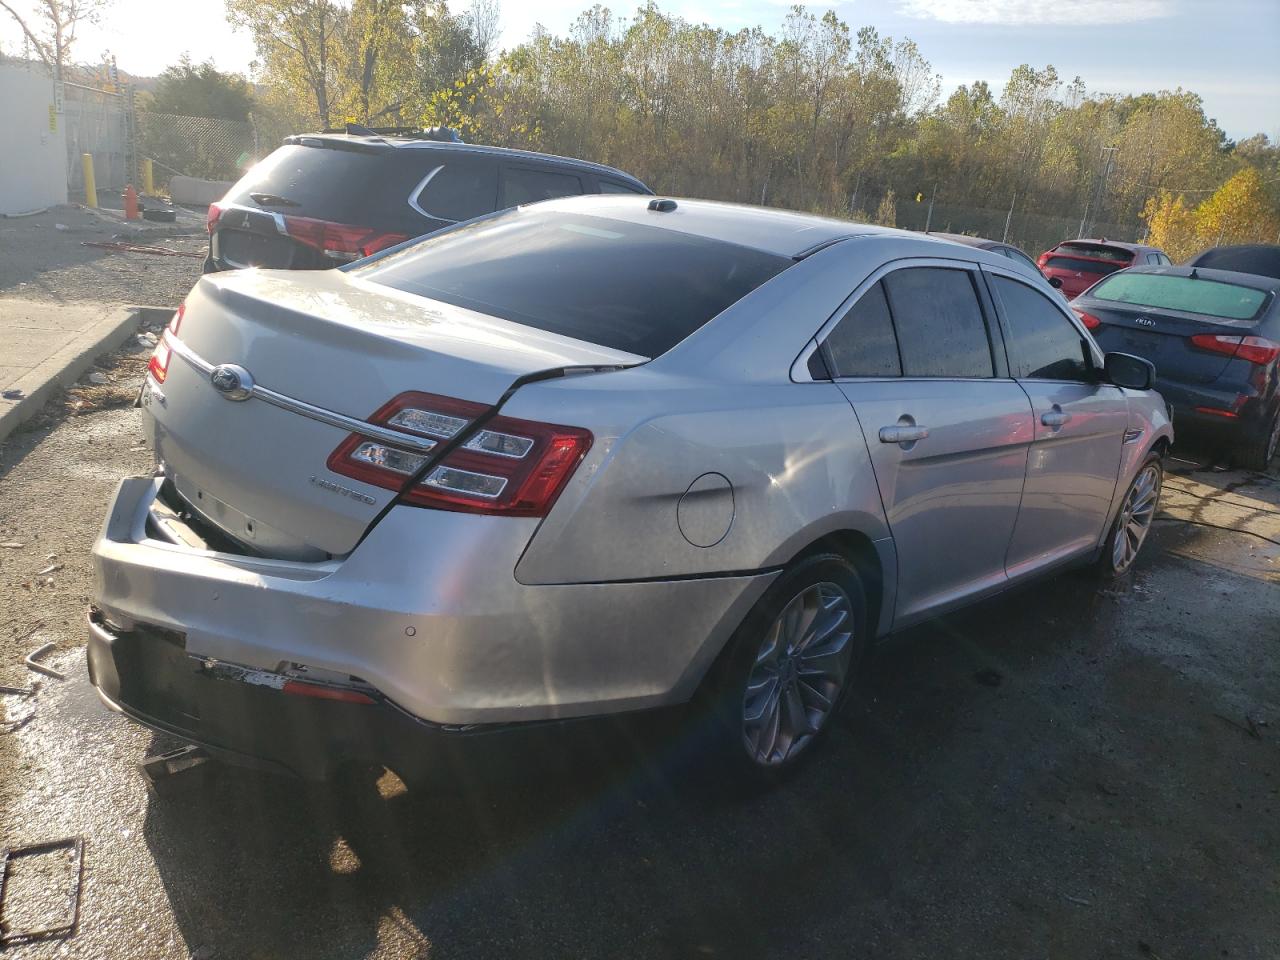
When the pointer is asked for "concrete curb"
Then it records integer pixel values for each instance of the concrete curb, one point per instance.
(66, 366)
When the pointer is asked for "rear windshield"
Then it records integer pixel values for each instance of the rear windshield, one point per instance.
(1226, 301)
(631, 287)
(1098, 251)
(342, 185)
(1084, 266)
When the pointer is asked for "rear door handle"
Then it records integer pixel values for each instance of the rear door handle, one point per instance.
(899, 434)
(1054, 418)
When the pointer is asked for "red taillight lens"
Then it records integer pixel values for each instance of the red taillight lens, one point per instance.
(211, 220)
(338, 240)
(511, 467)
(1257, 350)
(320, 691)
(1088, 319)
(158, 365)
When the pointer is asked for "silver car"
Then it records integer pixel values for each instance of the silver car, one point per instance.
(592, 456)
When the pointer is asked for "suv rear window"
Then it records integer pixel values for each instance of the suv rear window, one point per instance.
(1097, 251)
(1083, 266)
(338, 184)
(631, 287)
(1225, 301)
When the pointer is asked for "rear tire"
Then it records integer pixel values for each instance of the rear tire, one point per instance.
(1258, 452)
(1134, 520)
(788, 669)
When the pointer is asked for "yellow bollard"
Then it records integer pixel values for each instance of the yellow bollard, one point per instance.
(148, 178)
(90, 186)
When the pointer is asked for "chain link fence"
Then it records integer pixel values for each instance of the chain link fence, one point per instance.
(97, 122)
(1032, 233)
(204, 147)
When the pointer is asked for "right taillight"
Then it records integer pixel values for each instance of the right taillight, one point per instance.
(158, 365)
(1088, 319)
(211, 219)
(511, 467)
(1257, 350)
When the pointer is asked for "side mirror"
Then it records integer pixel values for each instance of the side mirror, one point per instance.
(1126, 370)
(1055, 282)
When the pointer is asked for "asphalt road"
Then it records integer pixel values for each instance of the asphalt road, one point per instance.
(1063, 772)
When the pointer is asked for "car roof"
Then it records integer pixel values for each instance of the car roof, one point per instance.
(1256, 258)
(447, 146)
(1254, 280)
(1104, 242)
(783, 233)
(982, 243)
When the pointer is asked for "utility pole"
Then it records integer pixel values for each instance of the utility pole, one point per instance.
(1108, 163)
(928, 217)
(1009, 219)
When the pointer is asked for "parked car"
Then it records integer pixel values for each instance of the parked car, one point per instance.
(326, 199)
(1214, 337)
(1073, 266)
(591, 456)
(996, 246)
(1260, 258)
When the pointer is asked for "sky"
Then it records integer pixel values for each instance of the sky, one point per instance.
(1225, 50)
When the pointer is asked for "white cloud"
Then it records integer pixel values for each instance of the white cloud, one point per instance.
(1078, 13)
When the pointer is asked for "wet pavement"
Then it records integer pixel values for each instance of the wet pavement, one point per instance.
(1065, 771)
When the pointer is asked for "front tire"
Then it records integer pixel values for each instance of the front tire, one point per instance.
(1134, 521)
(789, 668)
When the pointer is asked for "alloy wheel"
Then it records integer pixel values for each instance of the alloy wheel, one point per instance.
(1136, 516)
(798, 675)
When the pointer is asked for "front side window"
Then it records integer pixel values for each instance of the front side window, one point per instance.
(941, 330)
(460, 191)
(1042, 342)
(863, 343)
(612, 186)
(527, 185)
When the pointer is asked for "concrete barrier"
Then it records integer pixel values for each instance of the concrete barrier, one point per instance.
(195, 191)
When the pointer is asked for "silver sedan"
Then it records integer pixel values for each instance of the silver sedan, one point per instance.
(592, 456)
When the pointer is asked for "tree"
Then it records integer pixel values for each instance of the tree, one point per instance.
(1171, 226)
(200, 90)
(51, 27)
(1238, 212)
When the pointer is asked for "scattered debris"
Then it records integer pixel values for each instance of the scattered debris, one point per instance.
(75, 845)
(51, 568)
(61, 226)
(20, 691)
(989, 678)
(155, 770)
(117, 246)
(30, 661)
(12, 545)
(98, 378)
(13, 394)
(1080, 900)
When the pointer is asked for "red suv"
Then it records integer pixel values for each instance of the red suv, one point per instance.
(1074, 266)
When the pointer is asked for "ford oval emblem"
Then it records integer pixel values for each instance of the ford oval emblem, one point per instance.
(232, 381)
(1145, 322)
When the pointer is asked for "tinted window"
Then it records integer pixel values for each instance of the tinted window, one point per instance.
(1042, 343)
(1097, 251)
(1083, 266)
(525, 185)
(1226, 301)
(863, 344)
(1017, 256)
(631, 287)
(363, 187)
(941, 332)
(610, 186)
(1153, 258)
(460, 191)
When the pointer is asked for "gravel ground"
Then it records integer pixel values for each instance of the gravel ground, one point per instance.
(40, 262)
(1062, 772)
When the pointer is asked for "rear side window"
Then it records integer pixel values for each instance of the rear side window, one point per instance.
(359, 187)
(1097, 251)
(1083, 266)
(631, 287)
(1225, 301)
(527, 185)
(1042, 343)
(863, 343)
(612, 186)
(460, 191)
(941, 331)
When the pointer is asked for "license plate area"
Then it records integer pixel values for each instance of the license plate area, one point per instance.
(240, 248)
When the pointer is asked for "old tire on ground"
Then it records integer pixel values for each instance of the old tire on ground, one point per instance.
(787, 670)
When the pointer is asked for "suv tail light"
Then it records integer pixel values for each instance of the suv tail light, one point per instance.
(1088, 319)
(158, 365)
(338, 241)
(211, 219)
(510, 467)
(1257, 350)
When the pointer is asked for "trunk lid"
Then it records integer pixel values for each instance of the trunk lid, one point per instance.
(1164, 337)
(342, 347)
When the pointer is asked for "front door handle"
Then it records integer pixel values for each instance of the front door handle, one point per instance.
(903, 434)
(1054, 418)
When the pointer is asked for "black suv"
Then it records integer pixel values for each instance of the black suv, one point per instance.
(326, 199)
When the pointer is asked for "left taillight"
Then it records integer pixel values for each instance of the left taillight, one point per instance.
(510, 466)
(339, 241)
(211, 218)
(1088, 319)
(158, 365)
